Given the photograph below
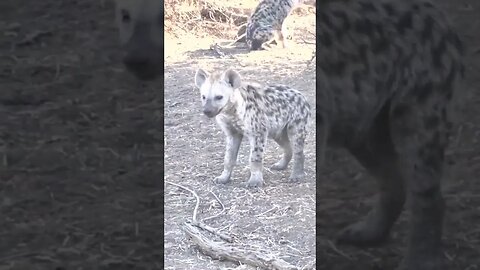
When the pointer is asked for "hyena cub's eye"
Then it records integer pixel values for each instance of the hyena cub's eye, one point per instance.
(218, 97)
(125, 16)
(203, 97)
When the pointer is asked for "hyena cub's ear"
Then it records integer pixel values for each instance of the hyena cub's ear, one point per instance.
(232, 78)
(200, 77)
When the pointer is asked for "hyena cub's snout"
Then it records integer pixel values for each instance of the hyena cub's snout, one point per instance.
(209, 109)
(215, 93)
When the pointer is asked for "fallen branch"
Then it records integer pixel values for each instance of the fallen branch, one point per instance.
(220, 251)
(213, 231)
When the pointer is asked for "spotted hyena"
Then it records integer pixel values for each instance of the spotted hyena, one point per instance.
(140, 24)
(266, 24)
(257, 112)
(386, 89)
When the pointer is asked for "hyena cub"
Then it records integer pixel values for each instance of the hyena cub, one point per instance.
(266, 23)
(276, 111)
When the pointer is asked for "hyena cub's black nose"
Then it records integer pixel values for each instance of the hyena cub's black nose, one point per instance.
(209, 112)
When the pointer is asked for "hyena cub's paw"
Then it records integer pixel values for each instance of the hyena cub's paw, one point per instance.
(256, 180)
(362, 234)
(280, 165)
(222, 179)
(297, 177)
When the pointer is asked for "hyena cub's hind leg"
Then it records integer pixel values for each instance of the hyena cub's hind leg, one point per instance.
(268, 41)
(285, 35)
(278, 36)
(257, 146)
(280, 39)
(286, 146)
(297, 134)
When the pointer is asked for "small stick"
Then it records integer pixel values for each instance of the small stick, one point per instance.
(221, 212)
(198, 224)
(213, 231)
(194, 217)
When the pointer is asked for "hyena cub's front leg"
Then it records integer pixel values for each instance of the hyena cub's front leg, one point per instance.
(233, 142)
(257, 147)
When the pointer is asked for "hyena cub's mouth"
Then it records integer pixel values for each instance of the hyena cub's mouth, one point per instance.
(211, 114)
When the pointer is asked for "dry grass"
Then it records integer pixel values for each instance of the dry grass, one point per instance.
(211, 18)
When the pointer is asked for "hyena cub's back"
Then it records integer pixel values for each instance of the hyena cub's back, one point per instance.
(245, 109)
(267, 23)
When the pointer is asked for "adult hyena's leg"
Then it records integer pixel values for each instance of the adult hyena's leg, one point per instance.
(420, 137)
(377, 154)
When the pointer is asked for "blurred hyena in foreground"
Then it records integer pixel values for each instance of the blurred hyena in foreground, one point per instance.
(257, 112)
(386, 86)
(140, 24)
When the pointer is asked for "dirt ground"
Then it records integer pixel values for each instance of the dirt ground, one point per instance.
(345, 192)
(80, 143)
(278, 219)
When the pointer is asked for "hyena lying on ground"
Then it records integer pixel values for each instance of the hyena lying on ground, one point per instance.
(266, 23)
(241, 108)
(387, 73)
(140, 24)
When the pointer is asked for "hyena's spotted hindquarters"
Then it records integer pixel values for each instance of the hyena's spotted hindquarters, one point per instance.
(266, 23)
(386, 86)
(257, 112)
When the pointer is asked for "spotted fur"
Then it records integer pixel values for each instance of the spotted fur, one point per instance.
(266, 23)
(257, 112)
(387, 87)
